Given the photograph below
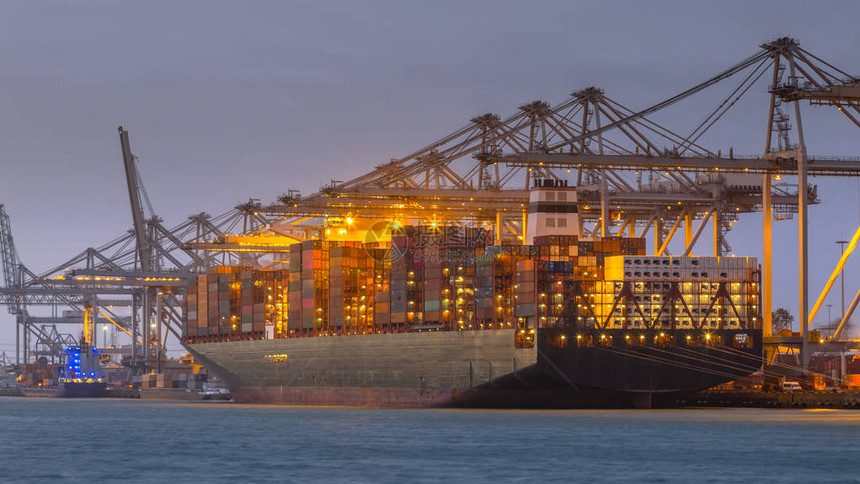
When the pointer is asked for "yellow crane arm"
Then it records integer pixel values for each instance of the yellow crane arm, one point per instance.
(835, 274)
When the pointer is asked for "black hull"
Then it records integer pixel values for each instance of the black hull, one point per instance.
(648, 362)
(81, 390)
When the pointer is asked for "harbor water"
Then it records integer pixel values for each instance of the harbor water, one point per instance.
(106, 440)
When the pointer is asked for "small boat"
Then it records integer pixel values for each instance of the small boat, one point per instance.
(215, 391)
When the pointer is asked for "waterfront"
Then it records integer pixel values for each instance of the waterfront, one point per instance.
(47, 440)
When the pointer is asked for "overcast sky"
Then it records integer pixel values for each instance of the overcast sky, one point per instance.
(228, 101)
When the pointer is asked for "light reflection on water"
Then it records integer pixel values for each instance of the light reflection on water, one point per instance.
(146, 441)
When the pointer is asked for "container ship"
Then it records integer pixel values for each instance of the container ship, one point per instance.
(80, 376)
(83, 376)
(436, 315)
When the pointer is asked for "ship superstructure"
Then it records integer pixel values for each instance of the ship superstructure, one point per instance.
(82, 375)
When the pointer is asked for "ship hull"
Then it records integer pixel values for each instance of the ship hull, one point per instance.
(649, 361)
(444, 369)
(403, 369)
(39, 392)
(81, 390)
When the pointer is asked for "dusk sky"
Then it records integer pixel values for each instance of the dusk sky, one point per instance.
(230, 101)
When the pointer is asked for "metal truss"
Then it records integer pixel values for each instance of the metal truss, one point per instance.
(467, 177)
(480, 173)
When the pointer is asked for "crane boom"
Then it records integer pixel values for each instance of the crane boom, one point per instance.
(10, 261)
(132, 180)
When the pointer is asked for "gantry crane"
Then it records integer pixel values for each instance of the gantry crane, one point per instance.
(633, 175)
(43, 331)
(600, 139)
(99, 284)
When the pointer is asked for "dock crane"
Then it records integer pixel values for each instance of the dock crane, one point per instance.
(143, 243)
(136, 192)
(12, 276)
(159, 305)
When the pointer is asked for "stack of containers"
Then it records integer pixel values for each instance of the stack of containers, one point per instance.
(267, 291)
(414, 286)
(231, 301)
(632, 246)
(366, 285)
(407, 265)
(402, 264)
(247, 301)
(552, 283)
(202, 306)
(564, 259)
(349, 295)
(380, 287)
(315, 297)
(750, 289)
(225, 322)
(191, 324)
(698, 283)
(612, 245)
(557, 248)
(295, 289)
(526, 302)
(279, 305)
(448, 286)
(682, 268)
(262, 290)
(234, 293)
(222, 285)
(504, 282)
(477, 242)
(485, 303)
(377, 286)
(212, 298)
(382, 309)
(589, 267)
(217, 301)
(462, 265)
(526, 288)
(737, 268)
(438, 276)
(339, 273)
(436, 282)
